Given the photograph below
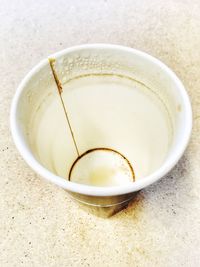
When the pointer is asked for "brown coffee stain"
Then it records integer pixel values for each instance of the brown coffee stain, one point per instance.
(58, 83)
(60, 90)
(104, 149)
(134, 205)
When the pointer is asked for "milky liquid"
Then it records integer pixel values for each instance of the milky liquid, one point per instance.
(105, 111)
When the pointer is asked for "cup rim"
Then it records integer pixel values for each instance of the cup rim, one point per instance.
(94, 190)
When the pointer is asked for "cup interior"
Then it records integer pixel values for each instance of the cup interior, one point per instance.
(116, 98)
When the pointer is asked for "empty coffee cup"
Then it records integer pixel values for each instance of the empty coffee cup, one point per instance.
(105, 122)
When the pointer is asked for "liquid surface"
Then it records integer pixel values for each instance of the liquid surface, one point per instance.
(104, 111)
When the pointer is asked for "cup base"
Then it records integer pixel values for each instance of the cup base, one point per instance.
(102, 167)
(106, 211)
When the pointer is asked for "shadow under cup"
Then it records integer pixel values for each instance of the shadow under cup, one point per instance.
(116, 98)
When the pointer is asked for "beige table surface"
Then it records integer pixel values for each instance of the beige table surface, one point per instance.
(39, 224)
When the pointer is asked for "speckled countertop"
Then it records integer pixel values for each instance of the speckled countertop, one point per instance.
(39, 224)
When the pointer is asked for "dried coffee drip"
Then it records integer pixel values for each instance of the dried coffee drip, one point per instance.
(108, 156)
(60, 89)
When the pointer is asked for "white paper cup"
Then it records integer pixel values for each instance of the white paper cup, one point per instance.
(102, 117)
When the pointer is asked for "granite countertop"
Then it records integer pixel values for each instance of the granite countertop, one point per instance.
(39, 223)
